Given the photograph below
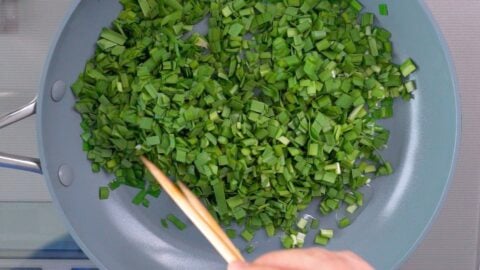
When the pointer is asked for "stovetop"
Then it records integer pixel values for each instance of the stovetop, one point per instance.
(33, 237)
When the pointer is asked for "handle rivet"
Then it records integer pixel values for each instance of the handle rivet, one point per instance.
(58, 90)
(65, 175)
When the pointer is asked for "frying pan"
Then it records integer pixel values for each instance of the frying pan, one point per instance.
(118, 235)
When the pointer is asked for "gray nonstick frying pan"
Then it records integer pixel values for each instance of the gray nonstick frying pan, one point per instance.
(118, 235)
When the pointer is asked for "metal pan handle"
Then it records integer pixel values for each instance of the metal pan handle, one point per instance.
(14, 161)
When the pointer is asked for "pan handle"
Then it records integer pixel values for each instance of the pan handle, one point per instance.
(15, 161)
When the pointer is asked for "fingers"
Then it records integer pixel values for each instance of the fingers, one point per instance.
(305, 259)
(355, 261)
(237, 266)
(248, 266)
(313, 259)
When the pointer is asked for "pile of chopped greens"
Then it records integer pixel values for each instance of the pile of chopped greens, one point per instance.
(275, 106)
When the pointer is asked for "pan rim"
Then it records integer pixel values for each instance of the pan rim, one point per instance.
(53, 47)
(458, 134)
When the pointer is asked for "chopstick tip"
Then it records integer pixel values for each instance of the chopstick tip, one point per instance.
(144, 159)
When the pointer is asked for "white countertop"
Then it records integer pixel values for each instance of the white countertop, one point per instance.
(452, 243)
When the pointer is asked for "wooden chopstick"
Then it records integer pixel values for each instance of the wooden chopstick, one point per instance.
(205, 214)
(181, 200)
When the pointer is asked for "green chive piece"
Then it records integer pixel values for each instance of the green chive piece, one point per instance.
(164, 223)
(327, 233)
(410, 86)
(249, 249)
(407, 67)
(113, 36)
(287, 242)
(351, 208)
(344, 222)
(138, 199)
(299, 239)
(176, 222)
(320, 240)
(235, 29)
(231, 233)
(103, 193)
(302, 223)
(383, 9)
(220, 198)
(356, 5)
(247, 235)
(314, 224)
(270, 229)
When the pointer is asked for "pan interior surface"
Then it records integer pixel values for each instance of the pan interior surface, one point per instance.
(118, 235)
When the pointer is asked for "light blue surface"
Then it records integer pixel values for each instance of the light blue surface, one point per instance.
(118, 235)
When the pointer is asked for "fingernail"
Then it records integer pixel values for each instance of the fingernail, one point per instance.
(237, 265)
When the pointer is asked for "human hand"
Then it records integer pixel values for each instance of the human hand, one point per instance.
(305, 259)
